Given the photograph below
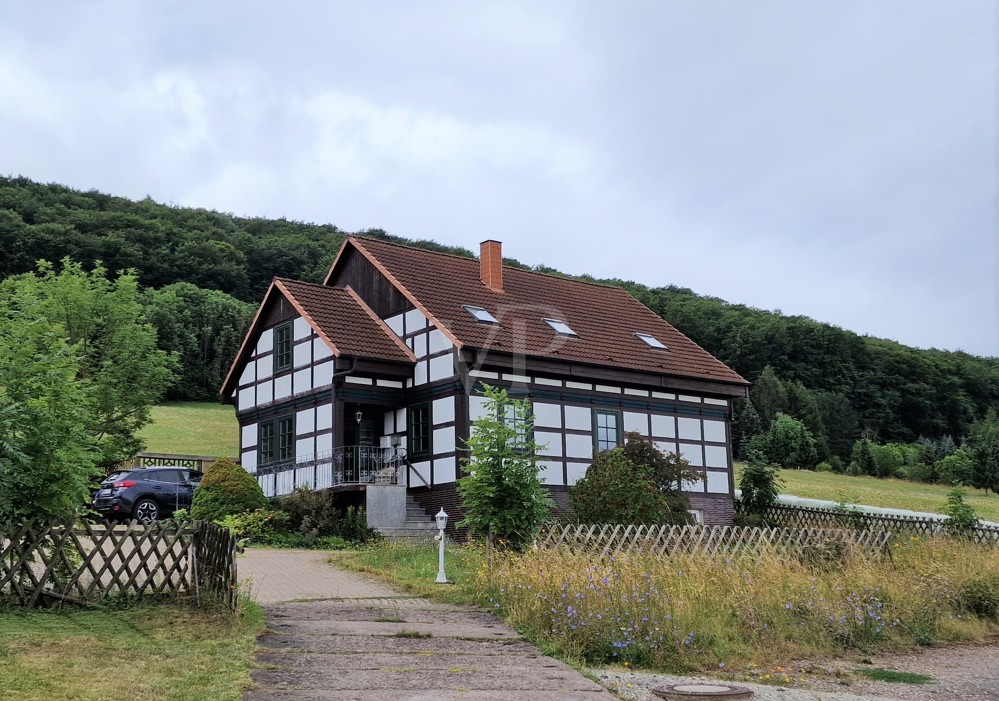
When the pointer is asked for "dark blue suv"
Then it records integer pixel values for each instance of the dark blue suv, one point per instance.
(146, 494)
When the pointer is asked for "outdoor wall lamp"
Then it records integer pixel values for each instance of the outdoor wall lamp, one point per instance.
(441, 519)
(358, 415)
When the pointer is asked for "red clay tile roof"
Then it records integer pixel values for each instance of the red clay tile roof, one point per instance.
(605, 318)
(343, 317)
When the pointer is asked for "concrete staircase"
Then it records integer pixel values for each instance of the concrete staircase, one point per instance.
(419, 525)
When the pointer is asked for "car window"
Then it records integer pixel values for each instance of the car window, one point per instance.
(173, 476)
(194, 476)
(116, 476)
(147, 475)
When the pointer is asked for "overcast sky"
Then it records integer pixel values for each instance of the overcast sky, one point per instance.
(832, 159)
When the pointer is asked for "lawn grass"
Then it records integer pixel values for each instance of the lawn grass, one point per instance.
(880, 674)
(886, 493)
(192, 428)
(150, 652)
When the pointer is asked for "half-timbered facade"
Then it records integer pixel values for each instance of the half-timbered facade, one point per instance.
(374, 378)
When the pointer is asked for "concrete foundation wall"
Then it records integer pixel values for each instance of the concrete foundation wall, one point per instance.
(386, 505)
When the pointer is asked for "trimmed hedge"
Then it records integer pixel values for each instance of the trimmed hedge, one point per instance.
(225, 490)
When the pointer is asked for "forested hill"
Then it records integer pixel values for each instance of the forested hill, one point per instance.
(206, 271)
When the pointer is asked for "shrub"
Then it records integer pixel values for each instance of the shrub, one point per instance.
(787, 443)
(961, 521)
(836, 463)
(312, 517)
(259, 526)
(759, 484)
(824, 466)
(226, 489)
(980, 596)
(956, 468)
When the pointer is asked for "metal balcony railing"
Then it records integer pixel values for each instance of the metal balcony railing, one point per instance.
(350, 464)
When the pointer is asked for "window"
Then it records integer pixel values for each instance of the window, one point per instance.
(608, 430)
(276, 440)
(652, 341)
(560, 327)
(282, 348)
(518, 423)
(480, 314)
(420, 431)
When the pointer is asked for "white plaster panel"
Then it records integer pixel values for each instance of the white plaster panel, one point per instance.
(403, 442)
(715, 456)
(324, 417)
(547, 381)
(485, 374)
(415, 321)
(419, 345)
(249, 461)
(249, 373)
(551, 442)
(519, 379)
(579, 418)
(322, 374)
(302, 328)
(397, 384)
(692, 454)
(666, 446)
(663, 426)
(305, 447)
(714, 431)
(636, 392)
(249, 436)
(422, 469)
(320, 351)
(635, 422)
(689, 429)
(443, 410)
(444, 440)
(303, 380)
(302, 355)
(388, 423)
(608, 388)
(444, 470)
(439, 342)
(324, 443)
(285, 482)
(442, 367)
(578, 385)
(663, 395)
(717, 482)
(282, 387)
(265, 343)
(575, 471)
(550, 472)
(690, 398)
(548, 415)
(265, 368)
(265, 483)
(420, 373)
(717, 402)
(400, 420)
(265, 392)
(246, 399)
(578, 446)
(305, 421)
(395, 323)
(477, 407)
(357, 380)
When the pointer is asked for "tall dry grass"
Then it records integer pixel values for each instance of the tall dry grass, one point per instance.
(695, 612)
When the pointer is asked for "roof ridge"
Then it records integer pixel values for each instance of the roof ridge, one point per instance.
(561, 276)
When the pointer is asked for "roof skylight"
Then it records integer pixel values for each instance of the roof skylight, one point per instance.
(560, 327)
(480, 314)
(652, 341)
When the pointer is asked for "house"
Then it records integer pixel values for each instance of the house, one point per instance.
(370, 382)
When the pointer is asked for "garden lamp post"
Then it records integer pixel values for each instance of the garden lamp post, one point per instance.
(441, 519)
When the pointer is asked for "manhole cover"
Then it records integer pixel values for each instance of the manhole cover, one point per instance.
(715, 692)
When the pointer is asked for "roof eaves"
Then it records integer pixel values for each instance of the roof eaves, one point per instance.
(384, 327)
(402, 288)
(308, 317)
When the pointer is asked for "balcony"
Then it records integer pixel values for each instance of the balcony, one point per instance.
(347, 466)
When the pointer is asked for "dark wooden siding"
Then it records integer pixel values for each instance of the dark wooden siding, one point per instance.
(355, 270)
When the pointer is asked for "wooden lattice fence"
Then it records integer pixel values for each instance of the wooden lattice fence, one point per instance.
(787, 516)
(709, 541)
(84, 563)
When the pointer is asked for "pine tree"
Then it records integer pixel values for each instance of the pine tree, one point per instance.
(769, 395)
(749, 427)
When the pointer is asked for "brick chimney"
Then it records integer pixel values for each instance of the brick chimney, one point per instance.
(491, 265)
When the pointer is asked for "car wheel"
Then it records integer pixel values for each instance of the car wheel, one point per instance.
(146, 511)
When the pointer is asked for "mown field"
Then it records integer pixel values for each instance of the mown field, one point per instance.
(192, 428)
(887, 493)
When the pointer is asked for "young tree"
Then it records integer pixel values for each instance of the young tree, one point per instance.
(768, 395)
(983, 445)
(760, 485)
(46, 452)
(863, 462)
(786, 443)
(750, 426)
(119, 359)
(961, 521)
(502, 495)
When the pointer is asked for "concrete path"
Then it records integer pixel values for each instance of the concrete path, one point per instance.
(370, 642)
